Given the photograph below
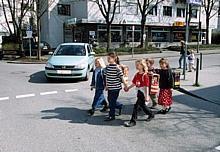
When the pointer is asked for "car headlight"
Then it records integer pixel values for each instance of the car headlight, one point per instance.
(49, 65)
(81, 66)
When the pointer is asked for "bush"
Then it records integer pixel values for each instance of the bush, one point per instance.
(126, 50)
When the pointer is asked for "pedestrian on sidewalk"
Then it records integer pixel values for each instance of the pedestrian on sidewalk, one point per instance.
(191, 60)
(141, 82)
(153, 82)
(166, 84)
(113, 79)
(182, 54)
(98, 84)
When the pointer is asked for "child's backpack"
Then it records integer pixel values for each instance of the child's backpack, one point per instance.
(154, 83)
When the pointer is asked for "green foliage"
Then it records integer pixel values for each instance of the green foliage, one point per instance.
(126, 50)
(10, 46)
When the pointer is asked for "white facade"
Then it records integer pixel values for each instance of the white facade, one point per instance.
(87, 12)
(52, 30)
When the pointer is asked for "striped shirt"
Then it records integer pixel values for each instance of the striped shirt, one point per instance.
(113, 76)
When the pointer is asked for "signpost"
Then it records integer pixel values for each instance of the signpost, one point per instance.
(29, 36)
(133, 28)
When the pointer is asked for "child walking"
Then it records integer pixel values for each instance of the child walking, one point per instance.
(98, 84)
(166, 85)
(153, 82)
(191, 60)
(113, 78)
(141, 82)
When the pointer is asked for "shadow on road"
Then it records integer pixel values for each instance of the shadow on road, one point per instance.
(198, 109)
(210, 93)
(75, 115)
(39, 77)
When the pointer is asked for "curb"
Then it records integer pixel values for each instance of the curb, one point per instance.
(171, 56)
(20, 62)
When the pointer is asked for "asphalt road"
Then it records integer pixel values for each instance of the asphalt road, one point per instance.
(37, 116)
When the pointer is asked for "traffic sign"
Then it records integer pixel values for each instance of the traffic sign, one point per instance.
(195, 2)
(29, 34)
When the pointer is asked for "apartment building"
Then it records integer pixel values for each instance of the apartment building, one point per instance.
(69, 21)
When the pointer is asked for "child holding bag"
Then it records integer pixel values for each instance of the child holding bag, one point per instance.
(141, 82)
(154, 82)
(98, 84)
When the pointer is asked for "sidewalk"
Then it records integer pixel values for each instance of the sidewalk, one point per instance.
(163, 54)
(209, 81)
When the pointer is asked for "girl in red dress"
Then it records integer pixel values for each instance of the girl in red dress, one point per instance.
(166, 84)
(141, 82)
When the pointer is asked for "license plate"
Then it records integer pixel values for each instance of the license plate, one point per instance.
(63, 71)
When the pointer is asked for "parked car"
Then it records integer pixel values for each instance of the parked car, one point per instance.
(70, 60)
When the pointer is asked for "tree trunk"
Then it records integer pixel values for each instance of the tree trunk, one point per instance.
(108, 36)
(207, 29)
(38, 40)
(20, 37)
(38, 30)
(143, 20)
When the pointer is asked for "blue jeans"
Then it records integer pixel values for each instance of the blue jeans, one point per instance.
(99, 99)
(112, 99)
(182, 59)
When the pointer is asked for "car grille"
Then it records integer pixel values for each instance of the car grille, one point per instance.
(54, 74)
(63, 67)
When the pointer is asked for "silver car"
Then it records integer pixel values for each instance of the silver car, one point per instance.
(70, 60)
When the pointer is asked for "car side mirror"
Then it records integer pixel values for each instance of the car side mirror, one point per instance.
(92, 54)
(50, 53)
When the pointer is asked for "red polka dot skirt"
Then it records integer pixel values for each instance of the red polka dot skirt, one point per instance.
(165, 97)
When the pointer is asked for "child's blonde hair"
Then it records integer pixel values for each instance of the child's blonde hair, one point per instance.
(101, 62)
(142, 62)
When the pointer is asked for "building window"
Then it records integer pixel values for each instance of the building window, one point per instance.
(180, 12)
(117, 10)
(132, 9)
(193, 13)
(137, 33)
(178, 36)
(153, 10)
(160, 34)
(116, 33)
(64, 9)
(167, 11)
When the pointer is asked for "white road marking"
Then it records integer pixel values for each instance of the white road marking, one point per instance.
(25, 96)
(71, 90)
(48, 93)
(4, 98)
(217, 148)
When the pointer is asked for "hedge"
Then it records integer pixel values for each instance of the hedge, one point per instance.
(126, 50)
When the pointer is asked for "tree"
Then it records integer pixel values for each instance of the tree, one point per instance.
(108, 9)
(145, 7)
(42, 7)
(210, 7)
(16, 11)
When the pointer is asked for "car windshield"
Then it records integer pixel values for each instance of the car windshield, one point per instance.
(75, 50)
